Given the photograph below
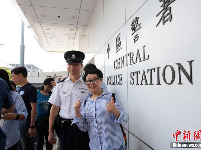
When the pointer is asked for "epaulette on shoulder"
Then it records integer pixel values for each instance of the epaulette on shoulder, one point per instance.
(62, 80)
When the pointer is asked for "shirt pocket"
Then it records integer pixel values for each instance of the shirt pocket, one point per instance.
(82, 93)
(65, 98)
(90, 111)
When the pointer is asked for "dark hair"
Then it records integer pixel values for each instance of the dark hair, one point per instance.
(46, 82)
(93, 71)
(18, 70)
(89, 66)
(5, 77)
(12, 83)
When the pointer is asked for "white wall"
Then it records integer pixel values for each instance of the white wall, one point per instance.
(155, 111)
(39, 77)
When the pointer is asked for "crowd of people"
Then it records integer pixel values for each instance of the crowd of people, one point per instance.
(78, 109)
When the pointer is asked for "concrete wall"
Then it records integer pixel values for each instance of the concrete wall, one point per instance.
(155, 70)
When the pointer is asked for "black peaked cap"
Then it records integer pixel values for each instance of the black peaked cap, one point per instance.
(74, 56)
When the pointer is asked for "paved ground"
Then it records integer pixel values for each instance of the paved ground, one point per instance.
(44, 146)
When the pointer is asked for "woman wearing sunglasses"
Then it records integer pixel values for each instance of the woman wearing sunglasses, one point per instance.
(100, 116)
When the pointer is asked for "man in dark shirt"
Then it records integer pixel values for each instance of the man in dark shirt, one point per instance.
(29, 95)
(6, 106)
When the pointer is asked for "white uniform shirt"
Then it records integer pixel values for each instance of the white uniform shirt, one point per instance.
(65, 95)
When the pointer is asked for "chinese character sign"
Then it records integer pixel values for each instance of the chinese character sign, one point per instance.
(135, 26)
(166, 11)
(175, 135)
(118, 43)
(108, 50)
(197, 135)
(187, 135)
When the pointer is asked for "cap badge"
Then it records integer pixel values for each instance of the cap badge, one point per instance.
(73, 57)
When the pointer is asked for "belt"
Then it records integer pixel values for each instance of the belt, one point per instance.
(65, 122)
(66, 119)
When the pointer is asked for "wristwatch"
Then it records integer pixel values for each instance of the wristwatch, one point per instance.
(32, 127)
(17, 116)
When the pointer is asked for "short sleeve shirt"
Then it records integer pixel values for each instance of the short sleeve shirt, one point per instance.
(42, 104)
(29, 95)
(66, 93)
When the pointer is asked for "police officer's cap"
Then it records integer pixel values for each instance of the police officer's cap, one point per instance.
(74, 56)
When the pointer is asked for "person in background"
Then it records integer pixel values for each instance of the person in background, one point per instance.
(100, 116)
(29, 95)
(56, 134)
(11, 123)
(63, 97)
(13, 85)
(43, 112)
(6, 106)
(89, 66)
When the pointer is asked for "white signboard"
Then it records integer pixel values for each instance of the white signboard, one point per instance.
(152, 62)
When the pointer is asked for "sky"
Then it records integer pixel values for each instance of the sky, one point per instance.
(10, 41)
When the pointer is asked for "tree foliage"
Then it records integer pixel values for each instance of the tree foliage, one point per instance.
(7, 70)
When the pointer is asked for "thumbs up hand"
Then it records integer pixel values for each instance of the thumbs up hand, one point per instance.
(111, 106)
(77, 106)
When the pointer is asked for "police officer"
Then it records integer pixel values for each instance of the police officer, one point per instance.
(65, 94)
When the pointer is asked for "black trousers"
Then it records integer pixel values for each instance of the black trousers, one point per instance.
(72, 138)
(41, 134)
